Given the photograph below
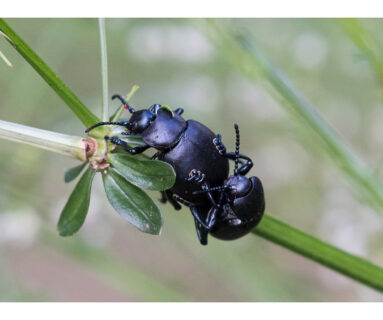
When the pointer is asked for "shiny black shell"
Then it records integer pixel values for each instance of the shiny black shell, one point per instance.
(239, 218)
(196, 150)
(165, 131)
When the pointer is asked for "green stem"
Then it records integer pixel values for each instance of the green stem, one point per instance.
(74, 103)
(321, 252)
(104, 70)
(57, 142)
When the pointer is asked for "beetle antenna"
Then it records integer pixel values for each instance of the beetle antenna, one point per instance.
(126, 105)
(236, 148)
(225, 187)
(121, 123)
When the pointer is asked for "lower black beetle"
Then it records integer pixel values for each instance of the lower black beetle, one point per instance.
(186, 145)
(240, 204)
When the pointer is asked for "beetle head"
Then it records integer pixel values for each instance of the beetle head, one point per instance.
(237, 186)
(140, 120)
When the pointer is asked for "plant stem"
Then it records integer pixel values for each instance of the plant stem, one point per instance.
(74, 103)
(321, 252)
(243, 53)
(104, 70)
(57, 142)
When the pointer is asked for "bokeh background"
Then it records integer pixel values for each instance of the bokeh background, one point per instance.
(175, 64)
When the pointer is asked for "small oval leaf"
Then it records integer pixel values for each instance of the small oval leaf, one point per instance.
(73, 173)
(76, 208)
(146, 174)
(132, 203)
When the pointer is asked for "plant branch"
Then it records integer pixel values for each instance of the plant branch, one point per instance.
(104, 70)
(312, 248)
(74, 103)
(57, 142)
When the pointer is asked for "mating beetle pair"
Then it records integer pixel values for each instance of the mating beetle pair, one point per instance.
(226, 207)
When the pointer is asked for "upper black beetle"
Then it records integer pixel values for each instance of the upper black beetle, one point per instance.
(240, 205)
(188, 146)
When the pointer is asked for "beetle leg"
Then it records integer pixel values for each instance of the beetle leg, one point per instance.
(244, 168)
(197, 176)
(200, 178)
(201, 233)
(219, 145)
(212, 214)
(168, 196)
(195, 213)
(172, 200)
(164, 198)
(125, 146)
(179, 111)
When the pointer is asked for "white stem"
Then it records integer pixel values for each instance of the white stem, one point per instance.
(104, 70)
(57, 142)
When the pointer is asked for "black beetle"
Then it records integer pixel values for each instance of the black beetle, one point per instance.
(188, 146)
(240, 205)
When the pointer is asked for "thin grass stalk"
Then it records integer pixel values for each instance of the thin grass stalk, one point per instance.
(104, 70)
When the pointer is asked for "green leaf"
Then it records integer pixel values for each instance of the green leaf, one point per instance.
(146, 174)
(132, 203)
(74, 103)
(75, 210)
(73, 173)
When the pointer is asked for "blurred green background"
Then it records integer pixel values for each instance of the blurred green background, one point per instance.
(175, 64)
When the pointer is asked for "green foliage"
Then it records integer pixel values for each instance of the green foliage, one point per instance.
(76, 208)
(146, 174)
(132, 203)
(73, 173)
